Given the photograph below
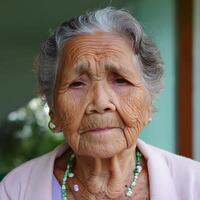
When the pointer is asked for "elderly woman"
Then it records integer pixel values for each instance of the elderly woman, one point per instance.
(100, 74)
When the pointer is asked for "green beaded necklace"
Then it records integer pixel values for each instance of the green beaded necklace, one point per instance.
(69, 174)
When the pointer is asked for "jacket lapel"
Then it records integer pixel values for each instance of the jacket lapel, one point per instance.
(160, 178)
(40, 185)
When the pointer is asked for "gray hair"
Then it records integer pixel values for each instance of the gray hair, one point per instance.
(104, 20)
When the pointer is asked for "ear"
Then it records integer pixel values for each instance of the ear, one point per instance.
(56, 121)
(149, 113)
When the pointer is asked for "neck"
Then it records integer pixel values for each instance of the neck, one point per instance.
(106, 176)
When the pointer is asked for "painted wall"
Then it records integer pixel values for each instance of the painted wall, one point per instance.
(196, 81)
(25, 23)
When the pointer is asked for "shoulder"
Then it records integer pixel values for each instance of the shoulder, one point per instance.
(18, 178)
(24, 177)
(184, 172)
(179, 164)
(175, 162)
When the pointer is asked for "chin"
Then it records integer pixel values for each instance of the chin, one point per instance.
(102, 145)
(100, 151)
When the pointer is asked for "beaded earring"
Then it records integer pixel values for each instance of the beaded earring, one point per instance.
(51, 126)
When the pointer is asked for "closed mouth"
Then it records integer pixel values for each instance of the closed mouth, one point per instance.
(98, 129)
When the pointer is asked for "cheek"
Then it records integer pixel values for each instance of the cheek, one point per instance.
(133, 109)
(70, 107)
(70, 110)
(133, 106)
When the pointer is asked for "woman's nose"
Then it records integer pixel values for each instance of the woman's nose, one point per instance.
(100, 101)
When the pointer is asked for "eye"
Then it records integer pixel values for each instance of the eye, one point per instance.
(121, 81)
(76, 84)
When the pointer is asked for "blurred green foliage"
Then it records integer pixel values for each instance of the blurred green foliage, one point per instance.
(24, 134)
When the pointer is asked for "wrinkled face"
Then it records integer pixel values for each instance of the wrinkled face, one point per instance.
(101, 103)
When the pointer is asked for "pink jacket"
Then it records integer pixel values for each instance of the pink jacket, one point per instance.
(171, 177)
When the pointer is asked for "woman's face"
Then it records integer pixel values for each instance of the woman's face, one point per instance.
(101, 103)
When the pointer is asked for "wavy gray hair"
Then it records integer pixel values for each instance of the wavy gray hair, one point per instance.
(104, 20)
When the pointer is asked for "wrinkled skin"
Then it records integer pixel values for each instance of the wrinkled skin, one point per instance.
(101, 105)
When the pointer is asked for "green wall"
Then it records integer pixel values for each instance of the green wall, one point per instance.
(25, 23)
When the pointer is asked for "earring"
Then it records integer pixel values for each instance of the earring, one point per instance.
(51, 126)
(150, 119)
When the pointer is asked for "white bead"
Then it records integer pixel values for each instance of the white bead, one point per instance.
(63, 187)
(76, 188)
(71, 175)
(129, 193)
(139, 168)
(133, 184)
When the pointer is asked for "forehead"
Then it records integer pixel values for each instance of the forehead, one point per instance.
(98, 49)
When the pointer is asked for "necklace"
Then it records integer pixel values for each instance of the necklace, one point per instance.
(69, 174)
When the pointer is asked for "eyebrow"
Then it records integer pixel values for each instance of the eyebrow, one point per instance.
(84, 68)
(119, 69)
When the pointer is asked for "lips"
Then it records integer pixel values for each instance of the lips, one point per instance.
(98, 129)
